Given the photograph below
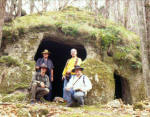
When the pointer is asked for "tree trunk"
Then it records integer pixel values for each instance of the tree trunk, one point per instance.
(12, 7)
(123, 12)
(2, 12)
(144, 44)
(31, 6)
(19, 8)
(45, 5)
(147, 12)
(96, 7)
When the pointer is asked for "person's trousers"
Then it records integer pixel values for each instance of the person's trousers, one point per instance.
(38, 92)
(66, 94)
(78, 97)
(49, 96)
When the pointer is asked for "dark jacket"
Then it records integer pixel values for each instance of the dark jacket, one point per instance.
(49, 63)
(38, 78)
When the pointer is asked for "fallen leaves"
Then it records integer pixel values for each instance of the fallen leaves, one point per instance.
(51, 109)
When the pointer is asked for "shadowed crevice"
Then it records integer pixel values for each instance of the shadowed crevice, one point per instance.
(122, 89)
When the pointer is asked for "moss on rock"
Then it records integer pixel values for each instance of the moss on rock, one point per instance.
(8, 60)
(101, 76)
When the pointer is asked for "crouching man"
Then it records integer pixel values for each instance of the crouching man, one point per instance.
(40, 84)
(78, 85)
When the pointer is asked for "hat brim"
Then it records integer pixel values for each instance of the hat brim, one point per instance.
(77, 68)
(43, 67)
(45, 52)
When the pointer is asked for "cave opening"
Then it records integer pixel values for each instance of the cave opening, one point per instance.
(60, 53)
(122, 89)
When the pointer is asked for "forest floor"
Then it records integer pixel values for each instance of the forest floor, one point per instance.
(114, 108)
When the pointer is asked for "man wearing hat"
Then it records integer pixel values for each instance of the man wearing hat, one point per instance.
(49, 72)
(40, 84)
(78, 85)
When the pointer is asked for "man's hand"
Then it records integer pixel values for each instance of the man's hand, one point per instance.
(52, 79)
(37, 67)
(68, 89)
(63, 77)
(42, 84)
(38, 82)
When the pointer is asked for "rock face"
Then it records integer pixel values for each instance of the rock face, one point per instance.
(83, 32)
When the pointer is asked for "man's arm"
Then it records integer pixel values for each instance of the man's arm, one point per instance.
(38, 64)
(52, 73)
(51, 70)
(47, 82)
(65, 69)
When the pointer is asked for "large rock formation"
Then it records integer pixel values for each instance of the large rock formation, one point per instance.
(111, 53)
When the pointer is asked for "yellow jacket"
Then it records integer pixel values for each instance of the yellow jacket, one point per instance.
(70, 65)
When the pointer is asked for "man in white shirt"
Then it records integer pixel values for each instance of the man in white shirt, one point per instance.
(78, 85)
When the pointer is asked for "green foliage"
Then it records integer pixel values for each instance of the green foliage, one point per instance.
(71, 29)
(108, 36)
(8, 60)
(128, 54)
(21, 31)
(136, 65)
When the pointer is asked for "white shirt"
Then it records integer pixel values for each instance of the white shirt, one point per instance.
(83, 83)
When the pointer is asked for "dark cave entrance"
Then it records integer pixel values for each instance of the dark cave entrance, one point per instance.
(122, 89)
(60, 52)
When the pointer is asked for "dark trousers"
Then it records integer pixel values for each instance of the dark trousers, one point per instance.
(38, 92)
(77, 97)
(48, 97)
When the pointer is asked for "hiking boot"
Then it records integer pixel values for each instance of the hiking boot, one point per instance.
(70, 105)
(32, 102)
(38, 101)
(82, 105)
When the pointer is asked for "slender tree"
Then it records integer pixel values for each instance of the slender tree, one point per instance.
(32, 5)
(147, 11)
(2, 13)
(146, 47)
(19, 8)
(144, 44)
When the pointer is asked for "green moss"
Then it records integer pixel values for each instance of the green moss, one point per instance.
(14, 97)
(8, 60)
(43, 112)
(21, 80)
(138, 105)
(20, 105)
(101, 76)
(23, 112)
(93, 66)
